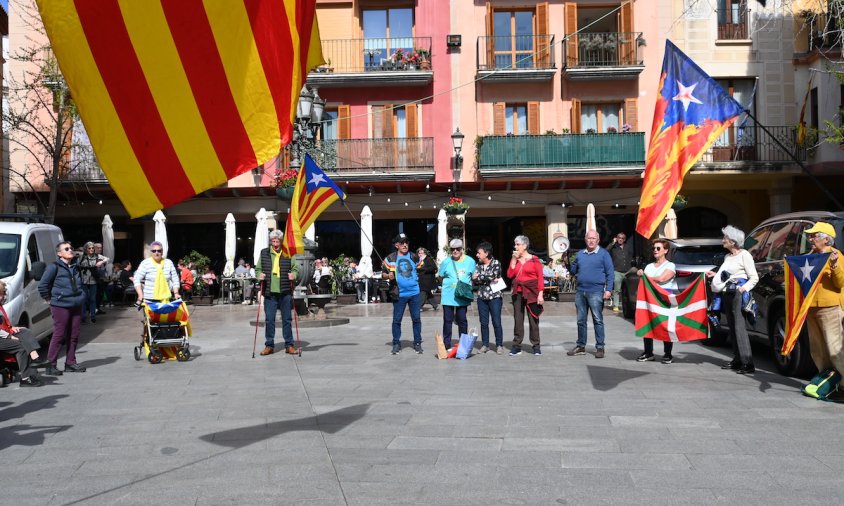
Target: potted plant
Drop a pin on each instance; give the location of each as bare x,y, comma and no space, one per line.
200,292
424,58
399,58
455,205
341,272
625,128
284,182
612,130
680,201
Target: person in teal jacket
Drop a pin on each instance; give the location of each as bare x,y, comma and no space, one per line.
458,266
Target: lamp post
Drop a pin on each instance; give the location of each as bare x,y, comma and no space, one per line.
309,113
457,142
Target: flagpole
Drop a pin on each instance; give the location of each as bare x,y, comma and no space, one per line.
793,156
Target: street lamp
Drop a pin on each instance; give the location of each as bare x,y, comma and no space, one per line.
309,113
457,142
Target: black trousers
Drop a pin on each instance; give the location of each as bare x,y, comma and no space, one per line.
21,348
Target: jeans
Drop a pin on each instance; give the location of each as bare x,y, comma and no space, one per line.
272,303
616,288
90,302
398,313
485,308
451,313
584,302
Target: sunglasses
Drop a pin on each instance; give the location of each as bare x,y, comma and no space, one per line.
456,249
658,248
156,251
67,248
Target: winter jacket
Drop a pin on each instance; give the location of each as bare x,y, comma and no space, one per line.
62,285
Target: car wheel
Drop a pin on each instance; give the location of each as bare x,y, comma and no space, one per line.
799,362
628,307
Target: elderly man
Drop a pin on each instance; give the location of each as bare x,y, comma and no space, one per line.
594,270
275,273
400,268
825,313
622,260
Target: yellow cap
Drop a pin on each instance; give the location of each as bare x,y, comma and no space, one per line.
821,227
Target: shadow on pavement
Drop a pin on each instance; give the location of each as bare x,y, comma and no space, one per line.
330,422
99,362
607,378
28,435
306,346
32,406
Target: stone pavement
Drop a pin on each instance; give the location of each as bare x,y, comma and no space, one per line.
348,423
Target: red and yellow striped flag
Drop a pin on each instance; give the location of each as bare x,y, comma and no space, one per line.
179,96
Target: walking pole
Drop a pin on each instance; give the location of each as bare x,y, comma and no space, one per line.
295,316
258,316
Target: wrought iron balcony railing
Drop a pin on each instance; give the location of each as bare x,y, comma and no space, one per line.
560,151
732,21
376,55
603,49
752,144
415,154
515,52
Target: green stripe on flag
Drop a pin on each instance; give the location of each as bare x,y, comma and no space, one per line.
692,324
648,327
662,299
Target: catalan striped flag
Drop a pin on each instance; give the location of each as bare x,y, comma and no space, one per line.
802,279
671,317
692,111
179,96
313,193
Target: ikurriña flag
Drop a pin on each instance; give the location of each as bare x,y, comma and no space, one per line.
692,111
179,96
671,317
802,279
313,193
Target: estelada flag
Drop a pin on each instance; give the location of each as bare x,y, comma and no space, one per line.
179,96
313,193
692,111
802,278
173,311
671,317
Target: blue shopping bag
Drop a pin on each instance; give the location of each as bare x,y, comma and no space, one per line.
466,344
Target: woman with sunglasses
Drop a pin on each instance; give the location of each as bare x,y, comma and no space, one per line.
61,284
660,272
156,277
89,268
457,267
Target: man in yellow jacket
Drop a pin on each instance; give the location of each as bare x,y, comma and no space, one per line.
826,337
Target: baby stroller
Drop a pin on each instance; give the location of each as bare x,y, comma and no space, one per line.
166,331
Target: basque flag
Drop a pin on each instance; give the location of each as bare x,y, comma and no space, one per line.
671,317
313,193
802,278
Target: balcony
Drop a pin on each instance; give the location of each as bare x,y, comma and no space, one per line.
566,153
386,159
749,148
403,61
603,56
732,22
515,58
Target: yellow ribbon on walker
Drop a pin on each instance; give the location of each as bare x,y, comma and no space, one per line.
162,289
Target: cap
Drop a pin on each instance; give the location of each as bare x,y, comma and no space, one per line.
401,238
455,243
821,227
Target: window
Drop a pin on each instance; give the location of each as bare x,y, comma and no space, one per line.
600,117
732,19
754,242
515,118
513,31
384,32
328,127
743,132
399,122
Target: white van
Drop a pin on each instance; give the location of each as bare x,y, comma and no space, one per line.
25,250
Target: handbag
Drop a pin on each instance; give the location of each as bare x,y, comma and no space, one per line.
463,291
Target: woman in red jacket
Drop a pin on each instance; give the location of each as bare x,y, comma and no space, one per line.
525,271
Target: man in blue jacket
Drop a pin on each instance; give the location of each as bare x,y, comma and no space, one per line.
594,270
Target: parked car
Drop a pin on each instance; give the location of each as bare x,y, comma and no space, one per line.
768,243
691,257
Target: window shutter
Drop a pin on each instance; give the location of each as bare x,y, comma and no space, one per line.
570,27
499,125
533,118
344,122
490,41
575,116
388,131
627,45
543,42
631,113
412,120
377,119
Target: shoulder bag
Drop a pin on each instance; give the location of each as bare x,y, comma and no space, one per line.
463,291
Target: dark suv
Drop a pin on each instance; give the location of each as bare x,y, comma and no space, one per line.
768,243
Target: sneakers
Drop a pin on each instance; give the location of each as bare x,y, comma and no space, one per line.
667,359
52,371
484,349
396,349
616,309
732,364
31,381
577,350
499,350
746,369
515,350
74,368
537,351
645,357
417,347
599,353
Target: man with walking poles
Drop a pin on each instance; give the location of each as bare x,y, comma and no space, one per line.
275,274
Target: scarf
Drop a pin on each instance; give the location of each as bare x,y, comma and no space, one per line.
162,289
276,259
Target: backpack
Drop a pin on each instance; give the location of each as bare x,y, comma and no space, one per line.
823,384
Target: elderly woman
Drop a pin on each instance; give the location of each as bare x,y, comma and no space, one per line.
660,272
825,311
526,272
156,276
457,267
90,264
736,276
488,273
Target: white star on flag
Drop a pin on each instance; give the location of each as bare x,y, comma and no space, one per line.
316,179
685,95
807,271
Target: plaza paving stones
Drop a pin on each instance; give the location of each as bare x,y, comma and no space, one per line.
349,423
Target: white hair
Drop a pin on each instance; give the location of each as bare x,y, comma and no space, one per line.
733,234
276,234
826,238
522,239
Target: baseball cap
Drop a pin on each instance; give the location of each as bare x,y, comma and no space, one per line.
455,243
821,227
400,238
